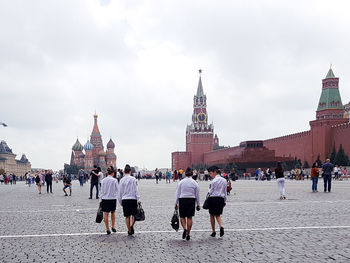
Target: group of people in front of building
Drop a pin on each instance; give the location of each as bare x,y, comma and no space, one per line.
186,199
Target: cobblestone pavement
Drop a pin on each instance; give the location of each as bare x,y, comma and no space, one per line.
307,227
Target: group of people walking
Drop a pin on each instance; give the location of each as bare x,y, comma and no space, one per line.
126,192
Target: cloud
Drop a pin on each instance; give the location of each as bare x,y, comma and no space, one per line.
136,63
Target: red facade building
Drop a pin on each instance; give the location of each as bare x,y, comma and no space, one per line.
329,129
94,152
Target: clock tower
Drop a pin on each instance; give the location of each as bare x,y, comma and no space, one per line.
199,135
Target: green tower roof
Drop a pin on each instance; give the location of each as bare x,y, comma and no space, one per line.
330,74
330,96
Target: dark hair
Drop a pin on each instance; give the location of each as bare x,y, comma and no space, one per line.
213,169
127,169
189,172
95,166
99,169
110,170
314,165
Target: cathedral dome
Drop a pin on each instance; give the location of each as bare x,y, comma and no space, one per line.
88,146
77,146
110,144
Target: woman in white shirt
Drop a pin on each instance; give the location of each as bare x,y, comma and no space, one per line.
129,198
108,197
217,199
187,194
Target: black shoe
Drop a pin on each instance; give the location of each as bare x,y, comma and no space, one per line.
188,237
90,197
213,234
129,233
65,195
184,234
70,194
221,231
108,232
132,231
114,230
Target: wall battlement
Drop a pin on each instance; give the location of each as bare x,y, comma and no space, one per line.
289,137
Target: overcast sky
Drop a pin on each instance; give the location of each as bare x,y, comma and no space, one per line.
136,63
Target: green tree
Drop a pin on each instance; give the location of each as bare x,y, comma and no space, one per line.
306,164
318,161
333,154
71,169
341,158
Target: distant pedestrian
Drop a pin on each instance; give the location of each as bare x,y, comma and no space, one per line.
336,172
81,176
327,169
48,179
156,173
186,197
67,182
314,177
108,198
129,198
175,176
94,181
38,182
280,180
180,174
167,176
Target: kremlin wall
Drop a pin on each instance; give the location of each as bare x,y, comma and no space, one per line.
330,127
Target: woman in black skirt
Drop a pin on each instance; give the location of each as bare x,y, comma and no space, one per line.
217,199
129,198
187,195
108,197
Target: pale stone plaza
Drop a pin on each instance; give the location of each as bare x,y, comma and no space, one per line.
306,227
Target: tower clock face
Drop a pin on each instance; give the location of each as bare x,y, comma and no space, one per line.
201,117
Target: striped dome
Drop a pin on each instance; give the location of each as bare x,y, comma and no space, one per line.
77,146
88,146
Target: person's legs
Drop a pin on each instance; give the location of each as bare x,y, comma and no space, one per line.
325,182
127,222
282,186
51,187
314,184
329,183
105,217
113,219
64,190
96,190
279,187
212,222
91,187
183,222
218,219
70,190
47,187
189,225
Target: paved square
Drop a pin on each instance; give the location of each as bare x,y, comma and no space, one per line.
307,227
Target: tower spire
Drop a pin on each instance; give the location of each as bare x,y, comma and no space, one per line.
200,92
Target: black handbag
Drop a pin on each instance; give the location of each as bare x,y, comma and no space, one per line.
140,215
175,221
99,215
205,204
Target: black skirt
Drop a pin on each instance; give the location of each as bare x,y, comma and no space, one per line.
109,205
216,205
187,207
129,207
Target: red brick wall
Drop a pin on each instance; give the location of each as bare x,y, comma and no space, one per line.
198,144
180,160
341,135
295,145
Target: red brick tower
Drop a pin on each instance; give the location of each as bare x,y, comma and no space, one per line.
111,158
199,135
96,141
330,112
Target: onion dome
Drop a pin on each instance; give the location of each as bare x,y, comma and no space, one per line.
110,144
77,146
88,146
24,158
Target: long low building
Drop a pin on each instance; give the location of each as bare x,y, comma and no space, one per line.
8,161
